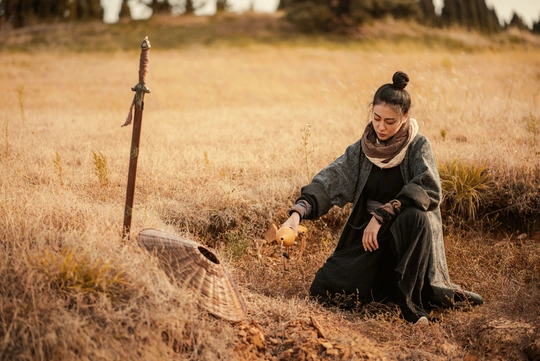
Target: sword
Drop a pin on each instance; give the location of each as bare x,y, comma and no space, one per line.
138,104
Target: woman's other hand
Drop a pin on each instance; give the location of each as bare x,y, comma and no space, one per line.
369,239
292,222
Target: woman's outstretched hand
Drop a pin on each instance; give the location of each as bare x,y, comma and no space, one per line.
369,239
292,222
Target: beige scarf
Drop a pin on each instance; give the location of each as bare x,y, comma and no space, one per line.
390,153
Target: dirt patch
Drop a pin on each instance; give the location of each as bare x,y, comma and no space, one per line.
303,339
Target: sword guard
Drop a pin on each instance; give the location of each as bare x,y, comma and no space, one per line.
141,88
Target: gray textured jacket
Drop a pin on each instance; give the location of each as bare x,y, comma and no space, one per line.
343,181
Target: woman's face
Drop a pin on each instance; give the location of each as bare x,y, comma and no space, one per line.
386,121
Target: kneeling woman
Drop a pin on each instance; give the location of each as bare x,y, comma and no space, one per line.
391,248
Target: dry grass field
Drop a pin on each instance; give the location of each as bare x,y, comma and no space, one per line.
231,131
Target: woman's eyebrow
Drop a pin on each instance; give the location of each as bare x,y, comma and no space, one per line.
384,118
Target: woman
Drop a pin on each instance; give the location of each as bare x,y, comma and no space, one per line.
391,248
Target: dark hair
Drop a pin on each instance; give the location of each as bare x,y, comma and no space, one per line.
394,94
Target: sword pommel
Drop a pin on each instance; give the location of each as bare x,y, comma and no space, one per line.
145,45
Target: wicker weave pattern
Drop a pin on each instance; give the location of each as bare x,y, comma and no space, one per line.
193,265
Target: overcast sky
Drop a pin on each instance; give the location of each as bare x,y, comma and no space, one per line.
529,10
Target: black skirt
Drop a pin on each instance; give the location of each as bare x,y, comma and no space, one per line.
395,272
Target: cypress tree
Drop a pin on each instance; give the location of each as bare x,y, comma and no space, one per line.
518,22
471,14
485,18
449,14
160,7
536,26
475,14
124,10
463,13
89,9
428,12
190,8
493,21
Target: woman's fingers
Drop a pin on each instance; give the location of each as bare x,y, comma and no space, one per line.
366,246
369,241
375,244
366,241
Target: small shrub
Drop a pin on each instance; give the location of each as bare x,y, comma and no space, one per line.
464,187
6,137
238,244
58,167
531,124
515,198
101,169
447,64
20,96
206,160
443,134
306,152
69,271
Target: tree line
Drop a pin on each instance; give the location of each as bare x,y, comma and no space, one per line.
341,15
308,15
19,13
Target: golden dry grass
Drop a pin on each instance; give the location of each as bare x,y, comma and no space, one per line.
221,158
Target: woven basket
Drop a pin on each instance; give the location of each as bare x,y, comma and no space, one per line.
196,267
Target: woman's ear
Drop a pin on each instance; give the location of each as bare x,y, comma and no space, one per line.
406,117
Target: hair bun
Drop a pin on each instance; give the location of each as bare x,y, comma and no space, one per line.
400,80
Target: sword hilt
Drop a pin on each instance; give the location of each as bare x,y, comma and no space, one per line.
143,62
141,87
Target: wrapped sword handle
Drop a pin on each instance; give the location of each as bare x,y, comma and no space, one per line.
140,89
143,70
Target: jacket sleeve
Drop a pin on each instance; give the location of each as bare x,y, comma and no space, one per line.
334,185
424,189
